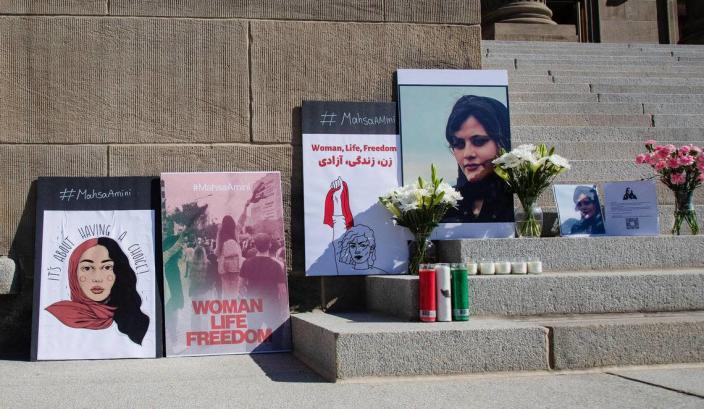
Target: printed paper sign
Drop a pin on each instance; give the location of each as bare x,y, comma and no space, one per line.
351,157
579,210
225,285
95,291
459,120
631,208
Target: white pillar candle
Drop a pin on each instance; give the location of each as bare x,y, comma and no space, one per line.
443,292
502,267
487,267
519,267
535,267
472,268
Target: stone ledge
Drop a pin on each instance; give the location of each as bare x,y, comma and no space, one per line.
627,340
9,281
563,254
553,293
359,345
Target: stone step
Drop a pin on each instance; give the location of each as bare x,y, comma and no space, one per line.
664,195
578,52
644,83
553,134
550,87
348,346
650,89
561,254
665,215
574,108
691,98
551,97
525,66
689,121
530,79
361,345
618,73
587,120
642,61
664,108
619,151
552,293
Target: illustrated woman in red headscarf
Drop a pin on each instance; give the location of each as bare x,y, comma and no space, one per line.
103,290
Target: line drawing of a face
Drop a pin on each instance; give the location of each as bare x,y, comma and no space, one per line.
95,273
474,150
358,247
585,206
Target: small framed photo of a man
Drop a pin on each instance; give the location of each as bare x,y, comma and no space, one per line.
459,121
579,210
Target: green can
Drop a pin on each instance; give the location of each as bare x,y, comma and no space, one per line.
460,292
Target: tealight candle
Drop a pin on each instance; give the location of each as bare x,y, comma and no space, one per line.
519,267
486,267
502,267
535,267
471,268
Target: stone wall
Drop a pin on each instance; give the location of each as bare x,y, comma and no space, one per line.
628,21
139,87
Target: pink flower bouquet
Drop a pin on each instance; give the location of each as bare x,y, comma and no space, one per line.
680,169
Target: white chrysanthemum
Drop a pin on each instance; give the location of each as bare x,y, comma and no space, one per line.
559,161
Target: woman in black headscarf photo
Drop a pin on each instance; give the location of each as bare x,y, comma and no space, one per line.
477,128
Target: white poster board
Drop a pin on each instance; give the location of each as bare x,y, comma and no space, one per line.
631,208
351,157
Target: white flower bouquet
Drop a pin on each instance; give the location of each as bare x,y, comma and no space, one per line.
419,207
528,170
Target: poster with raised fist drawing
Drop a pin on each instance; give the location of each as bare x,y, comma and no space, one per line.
351,157
95,294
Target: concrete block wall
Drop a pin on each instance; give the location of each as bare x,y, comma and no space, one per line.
139,87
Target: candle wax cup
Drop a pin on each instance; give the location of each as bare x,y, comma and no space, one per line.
471,268
519,267
502,267
487,268
535,267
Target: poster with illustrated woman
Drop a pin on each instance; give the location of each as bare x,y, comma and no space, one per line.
95,291
459,121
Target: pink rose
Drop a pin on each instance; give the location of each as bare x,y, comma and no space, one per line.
694,150
660,165
700,177
684,150
670,148
678,178
686,160
640,158
650,142
673,163
661,153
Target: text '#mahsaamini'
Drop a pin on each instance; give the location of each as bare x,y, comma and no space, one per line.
228,322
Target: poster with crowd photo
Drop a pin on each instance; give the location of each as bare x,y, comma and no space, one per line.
95,285
350,158
225,285
579,210
459,121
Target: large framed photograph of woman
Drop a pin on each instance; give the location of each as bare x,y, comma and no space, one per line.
459,121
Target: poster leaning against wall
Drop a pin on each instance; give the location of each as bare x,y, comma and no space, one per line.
95,287
224,254
351,156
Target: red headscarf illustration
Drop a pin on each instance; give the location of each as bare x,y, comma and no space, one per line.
81,312
345,204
